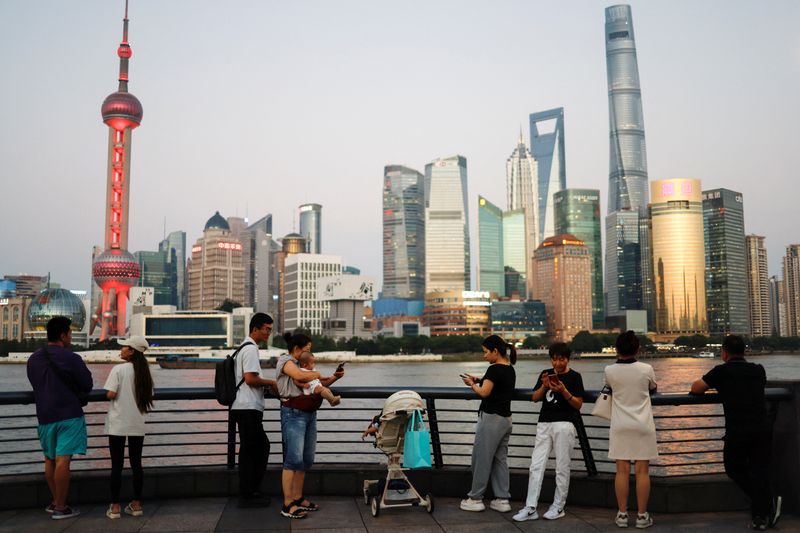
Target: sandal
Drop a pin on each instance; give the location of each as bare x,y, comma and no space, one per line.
286,511
111,514
310,506
133,512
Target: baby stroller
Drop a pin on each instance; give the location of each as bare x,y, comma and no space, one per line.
396,490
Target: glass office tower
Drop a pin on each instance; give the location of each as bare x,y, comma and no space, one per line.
403,233
547,146
515,263
159,270
627,167
491,276
678,257
447,257
311,226
726,262
176,242
522,192
577,211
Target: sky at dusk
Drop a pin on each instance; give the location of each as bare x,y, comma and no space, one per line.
256,107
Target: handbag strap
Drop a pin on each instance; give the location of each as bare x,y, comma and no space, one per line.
66,380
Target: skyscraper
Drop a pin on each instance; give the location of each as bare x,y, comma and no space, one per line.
491,276
678,257
215,272
303,307
176,241
257,245
726,262
627,170
777,300
159,271
515,260
522,192
791,284
291,244
547,146
447,256
758,286
311,226
563,281
577,212
116,270
403,233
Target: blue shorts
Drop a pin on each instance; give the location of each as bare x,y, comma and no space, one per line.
65,437
299,435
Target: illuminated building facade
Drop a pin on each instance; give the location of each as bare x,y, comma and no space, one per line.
563,282
577,212
447,250
457,312
522,191
758,287
547,146
13,317
516,320
791,281
726,262
26,286
215,270
403,233
678,257
311,227
116,270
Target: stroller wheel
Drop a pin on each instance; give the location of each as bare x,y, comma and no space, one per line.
429,503
375,506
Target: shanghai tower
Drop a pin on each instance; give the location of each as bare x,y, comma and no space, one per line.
116,270
626,234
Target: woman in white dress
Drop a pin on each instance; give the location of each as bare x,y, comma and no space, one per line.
129,388
632,435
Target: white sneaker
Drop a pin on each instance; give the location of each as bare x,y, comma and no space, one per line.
644,520
526,513
554,513
621,520
472,505
500,505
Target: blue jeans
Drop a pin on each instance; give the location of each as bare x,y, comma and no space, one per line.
299,435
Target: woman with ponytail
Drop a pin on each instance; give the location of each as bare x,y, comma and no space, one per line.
490,451
129,388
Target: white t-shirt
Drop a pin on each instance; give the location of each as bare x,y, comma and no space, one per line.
247,360
123,417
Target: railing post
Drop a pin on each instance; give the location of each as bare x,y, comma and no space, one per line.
586,447
231,442
436,443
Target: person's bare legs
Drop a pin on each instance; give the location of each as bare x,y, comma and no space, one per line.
61,480
50,476
642,485
297,484
622,484
287,483
327,394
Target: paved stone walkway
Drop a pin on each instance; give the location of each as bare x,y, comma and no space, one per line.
350,515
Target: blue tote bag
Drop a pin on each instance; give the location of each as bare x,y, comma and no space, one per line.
417,443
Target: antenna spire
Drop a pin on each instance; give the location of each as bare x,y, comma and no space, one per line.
124,52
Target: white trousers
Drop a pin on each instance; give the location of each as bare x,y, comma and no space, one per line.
559,437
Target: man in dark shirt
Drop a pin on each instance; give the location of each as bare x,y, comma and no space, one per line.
748,431
57,376
560,389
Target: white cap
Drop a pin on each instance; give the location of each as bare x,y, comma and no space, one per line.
137,342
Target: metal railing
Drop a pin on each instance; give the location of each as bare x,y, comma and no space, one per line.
189,428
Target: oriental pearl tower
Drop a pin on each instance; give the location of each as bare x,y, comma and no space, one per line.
116,270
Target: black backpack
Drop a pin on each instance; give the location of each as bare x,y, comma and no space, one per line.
225,386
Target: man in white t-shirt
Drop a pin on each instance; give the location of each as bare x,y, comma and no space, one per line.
248,410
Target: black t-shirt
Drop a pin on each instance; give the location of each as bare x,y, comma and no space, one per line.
556,408
499,400
741,386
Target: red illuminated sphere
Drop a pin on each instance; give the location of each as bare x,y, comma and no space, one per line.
122,110
115,269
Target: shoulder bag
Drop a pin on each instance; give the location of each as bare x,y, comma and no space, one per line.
603,404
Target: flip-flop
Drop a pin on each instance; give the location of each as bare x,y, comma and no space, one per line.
296,514
310,507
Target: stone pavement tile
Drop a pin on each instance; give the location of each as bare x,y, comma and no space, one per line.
480,528
259,519
196,514
447,513
6,515
398,519
36,521
93,519
334,513
570,523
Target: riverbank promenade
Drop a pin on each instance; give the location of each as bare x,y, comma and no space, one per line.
349,515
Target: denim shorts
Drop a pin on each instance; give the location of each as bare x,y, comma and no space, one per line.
65,437
299,435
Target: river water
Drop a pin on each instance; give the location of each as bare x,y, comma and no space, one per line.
176,436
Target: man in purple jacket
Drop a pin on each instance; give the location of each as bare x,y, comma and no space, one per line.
57,376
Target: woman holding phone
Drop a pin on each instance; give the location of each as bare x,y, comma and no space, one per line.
490,451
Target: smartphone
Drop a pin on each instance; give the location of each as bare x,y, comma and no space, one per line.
554,378
340,368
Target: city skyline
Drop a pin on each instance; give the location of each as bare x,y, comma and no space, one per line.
194,142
